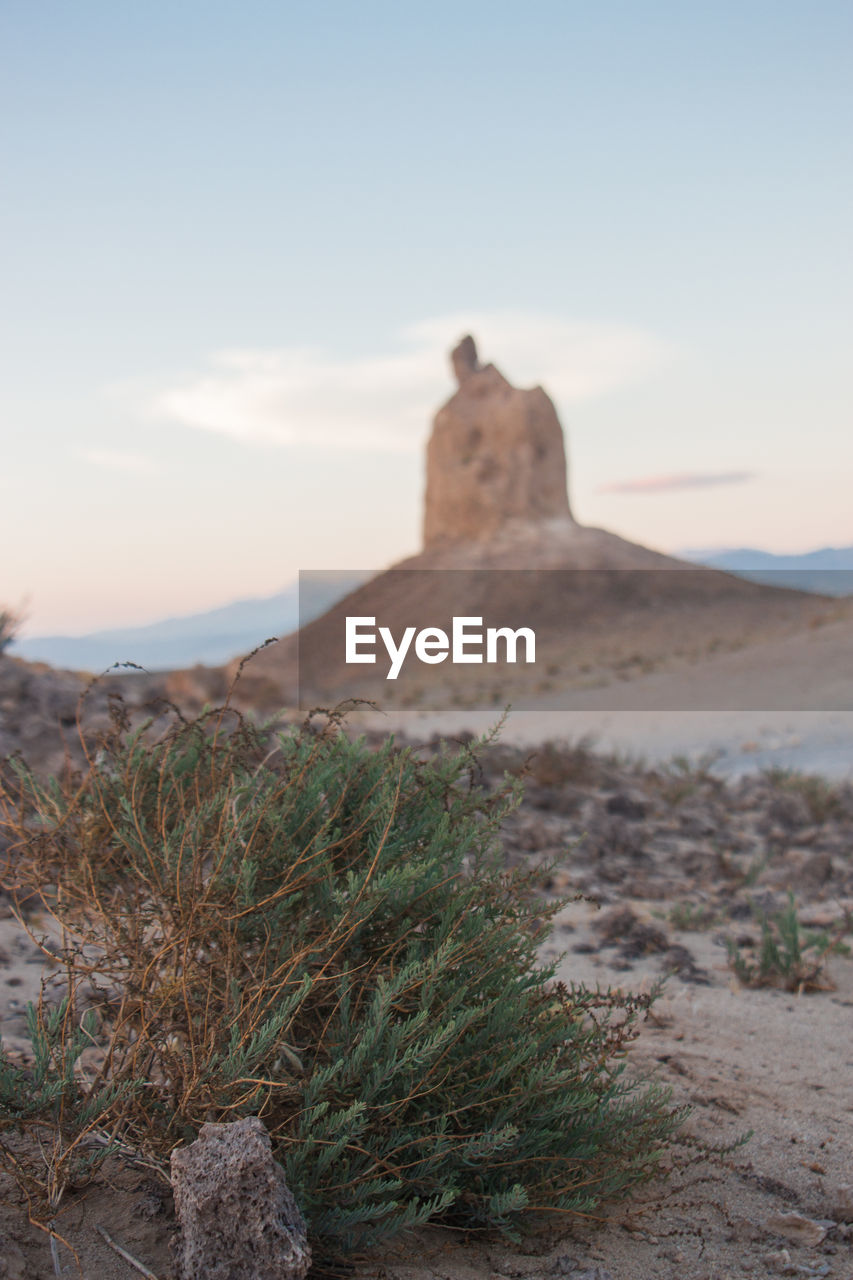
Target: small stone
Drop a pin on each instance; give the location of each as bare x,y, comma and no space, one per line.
820,917
632,805
794,1227
697,823
818,869
237,1219
841,1202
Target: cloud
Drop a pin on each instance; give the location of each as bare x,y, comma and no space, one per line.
683,480
307,396
117,460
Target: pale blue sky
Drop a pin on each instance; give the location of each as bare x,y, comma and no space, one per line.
237,239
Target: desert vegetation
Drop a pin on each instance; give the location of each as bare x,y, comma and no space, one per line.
323,934
786,954
10,624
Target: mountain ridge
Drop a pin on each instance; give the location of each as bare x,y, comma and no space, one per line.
211,637
824,571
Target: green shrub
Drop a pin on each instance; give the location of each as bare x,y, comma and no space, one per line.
323,935
47,1102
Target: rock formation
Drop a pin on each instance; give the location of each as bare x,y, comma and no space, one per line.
496,499
237,1218
495,457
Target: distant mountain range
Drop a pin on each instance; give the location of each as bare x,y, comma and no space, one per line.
828,571
217,636
211,638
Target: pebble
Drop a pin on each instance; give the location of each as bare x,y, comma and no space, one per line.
793,1226
841,1202
782,1264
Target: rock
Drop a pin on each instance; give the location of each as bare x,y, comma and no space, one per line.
634,936
237,1219
841,1203
609,836
39,709
697,823
794,1227
821,917
780,1260
679,961
495,457
465,360
817,870
632,805
194,687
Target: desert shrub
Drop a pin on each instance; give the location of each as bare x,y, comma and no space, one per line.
10,623
322,935
683,779
48,1103
824,799
554,764
786,955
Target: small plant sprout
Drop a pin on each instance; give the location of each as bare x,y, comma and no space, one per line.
786,955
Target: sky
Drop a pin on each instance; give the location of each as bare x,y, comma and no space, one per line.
237,242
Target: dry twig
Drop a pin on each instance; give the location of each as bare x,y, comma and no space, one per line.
123,1253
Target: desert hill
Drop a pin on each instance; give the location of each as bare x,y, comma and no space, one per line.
501,542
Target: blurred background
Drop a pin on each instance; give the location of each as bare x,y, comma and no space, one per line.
238,243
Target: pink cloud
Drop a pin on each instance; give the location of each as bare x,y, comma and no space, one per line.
682,480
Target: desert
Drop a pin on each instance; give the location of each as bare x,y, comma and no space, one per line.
709,889
426,641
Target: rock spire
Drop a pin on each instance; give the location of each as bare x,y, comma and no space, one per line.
495,457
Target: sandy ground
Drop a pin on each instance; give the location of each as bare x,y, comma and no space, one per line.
783,702
778,1064
732,743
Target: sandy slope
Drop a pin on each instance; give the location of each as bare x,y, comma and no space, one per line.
785,701
600,606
